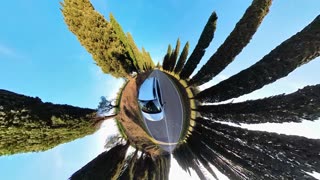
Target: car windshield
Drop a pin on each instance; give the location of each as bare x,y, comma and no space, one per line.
150,107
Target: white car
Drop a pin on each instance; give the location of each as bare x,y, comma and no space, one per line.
150,100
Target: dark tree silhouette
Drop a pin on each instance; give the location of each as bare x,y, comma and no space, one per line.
105,166
188,159
235,42
182,59
27,124
166,59
203,42
295,107
255,154
292,53
174,56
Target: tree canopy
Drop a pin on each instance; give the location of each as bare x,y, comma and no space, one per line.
27,124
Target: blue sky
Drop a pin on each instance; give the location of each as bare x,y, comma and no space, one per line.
40,57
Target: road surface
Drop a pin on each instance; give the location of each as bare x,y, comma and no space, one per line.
168,130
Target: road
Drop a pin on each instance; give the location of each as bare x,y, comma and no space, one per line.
168,130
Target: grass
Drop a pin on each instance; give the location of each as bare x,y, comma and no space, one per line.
117,110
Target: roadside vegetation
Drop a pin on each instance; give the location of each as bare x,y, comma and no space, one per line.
27,124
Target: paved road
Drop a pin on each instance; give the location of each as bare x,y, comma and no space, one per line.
169,129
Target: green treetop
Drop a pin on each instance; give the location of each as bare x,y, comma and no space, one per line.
182,59
103,40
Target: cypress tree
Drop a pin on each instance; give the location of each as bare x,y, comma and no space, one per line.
131,58
203,42
295,107
182,59
151,168
128,172
174,56
188,159
107,165
27,124
166,59
141,170
241,153
292,53
235,42
147,59
103,40
136,53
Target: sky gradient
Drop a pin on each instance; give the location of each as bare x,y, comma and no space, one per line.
40,57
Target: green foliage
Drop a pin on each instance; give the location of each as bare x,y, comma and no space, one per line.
128,45
105,41
28,125
148,63
139,60
166,59
203,42
182,59
107,165
174,56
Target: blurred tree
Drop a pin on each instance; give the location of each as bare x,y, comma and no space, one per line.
105,106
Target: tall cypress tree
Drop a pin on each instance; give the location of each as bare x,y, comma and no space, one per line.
203,42
136,53
240,153
147,59
27,124
174,56
104,41
235,42
107,165
188,159
292,53
129,52
166,59
295,107
182,59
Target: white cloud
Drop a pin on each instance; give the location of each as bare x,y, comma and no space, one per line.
6,51
10,52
